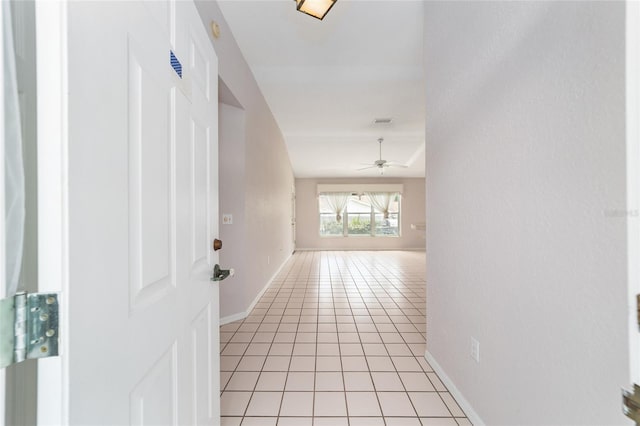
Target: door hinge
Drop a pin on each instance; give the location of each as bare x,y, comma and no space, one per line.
28,327
631,403
638,310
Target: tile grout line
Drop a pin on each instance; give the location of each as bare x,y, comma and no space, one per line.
266,355
395,367
344,387
340,276
284,389
366,360
403,385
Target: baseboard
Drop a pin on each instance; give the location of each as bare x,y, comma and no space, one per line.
269,282
231,318
242,315
454,391
362,249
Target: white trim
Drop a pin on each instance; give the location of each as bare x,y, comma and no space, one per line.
232,318
362,249
633,176
3,285
242,315
359,187
53,217
453,390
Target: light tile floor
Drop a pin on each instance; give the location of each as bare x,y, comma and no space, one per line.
337,339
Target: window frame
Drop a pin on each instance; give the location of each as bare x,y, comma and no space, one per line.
372,218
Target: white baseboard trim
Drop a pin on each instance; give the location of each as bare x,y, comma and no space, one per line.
454,391
361,249
231,318
269,282
242,315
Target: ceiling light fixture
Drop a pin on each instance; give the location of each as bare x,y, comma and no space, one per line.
316,8
382,164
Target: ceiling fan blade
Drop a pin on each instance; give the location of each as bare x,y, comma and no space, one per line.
382,164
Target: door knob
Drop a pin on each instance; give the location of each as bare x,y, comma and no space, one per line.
217,244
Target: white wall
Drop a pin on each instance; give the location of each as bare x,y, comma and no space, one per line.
525,207
267,176
308,221
234,293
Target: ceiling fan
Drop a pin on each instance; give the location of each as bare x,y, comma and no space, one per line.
382,164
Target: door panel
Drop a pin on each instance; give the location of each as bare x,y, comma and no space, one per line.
199,190
150,196
154,398
203,379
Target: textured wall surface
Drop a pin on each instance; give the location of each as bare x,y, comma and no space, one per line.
234,293
525,184
267,174
308,221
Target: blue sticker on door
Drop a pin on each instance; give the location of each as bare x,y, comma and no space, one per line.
176,65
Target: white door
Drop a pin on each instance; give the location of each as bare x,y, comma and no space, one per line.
139,209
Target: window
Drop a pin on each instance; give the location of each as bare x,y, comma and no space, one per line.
391,224
364,215
329,225
358,216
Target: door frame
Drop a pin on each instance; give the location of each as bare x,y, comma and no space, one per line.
53,253
633,180
51,54
293,218
2,235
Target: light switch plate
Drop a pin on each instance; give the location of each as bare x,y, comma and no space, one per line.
475,350
227,219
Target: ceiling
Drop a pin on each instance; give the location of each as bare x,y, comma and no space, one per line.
326,81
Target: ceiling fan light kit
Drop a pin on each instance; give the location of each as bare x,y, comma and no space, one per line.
316,8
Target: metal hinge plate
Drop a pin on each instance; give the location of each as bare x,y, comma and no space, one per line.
631,403
28,327
638,310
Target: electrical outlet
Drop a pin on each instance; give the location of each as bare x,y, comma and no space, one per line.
475,350
268,260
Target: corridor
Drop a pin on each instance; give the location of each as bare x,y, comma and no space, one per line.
337,339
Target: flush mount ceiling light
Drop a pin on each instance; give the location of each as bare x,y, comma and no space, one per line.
316,8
